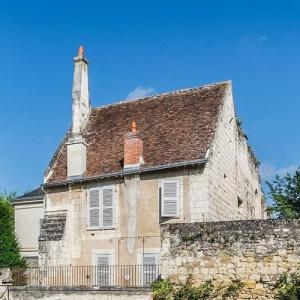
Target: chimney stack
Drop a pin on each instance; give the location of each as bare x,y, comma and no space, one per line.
133,149
80,92
81,107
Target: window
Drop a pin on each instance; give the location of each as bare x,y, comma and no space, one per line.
150,268
170,198
103,270
101,207
240,202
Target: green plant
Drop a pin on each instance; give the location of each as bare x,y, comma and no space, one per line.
165,289
285,193
162,289
9,247
288,286
232,289
188,291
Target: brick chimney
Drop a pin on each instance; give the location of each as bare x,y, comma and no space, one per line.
133,149
81,107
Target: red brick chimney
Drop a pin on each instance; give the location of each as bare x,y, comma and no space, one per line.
133,149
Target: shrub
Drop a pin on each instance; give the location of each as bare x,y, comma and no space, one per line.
288,286
9,247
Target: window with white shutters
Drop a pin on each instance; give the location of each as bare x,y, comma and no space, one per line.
107,194
150,268
170,198
101,207
94,208
103,270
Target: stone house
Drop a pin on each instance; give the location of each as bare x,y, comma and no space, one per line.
29,213
125,168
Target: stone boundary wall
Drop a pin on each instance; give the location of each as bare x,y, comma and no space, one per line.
255,252
76,293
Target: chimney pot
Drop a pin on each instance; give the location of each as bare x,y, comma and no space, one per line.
133,127
81,51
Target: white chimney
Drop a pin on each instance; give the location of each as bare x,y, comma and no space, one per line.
81,107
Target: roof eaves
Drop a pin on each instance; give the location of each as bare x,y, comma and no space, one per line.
128,172
27,199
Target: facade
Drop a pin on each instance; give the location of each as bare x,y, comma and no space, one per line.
124,169
29,213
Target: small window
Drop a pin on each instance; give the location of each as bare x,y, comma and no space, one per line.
170,198
240,202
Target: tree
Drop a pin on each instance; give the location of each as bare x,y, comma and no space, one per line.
285,193
10,255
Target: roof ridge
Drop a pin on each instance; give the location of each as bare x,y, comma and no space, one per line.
155,96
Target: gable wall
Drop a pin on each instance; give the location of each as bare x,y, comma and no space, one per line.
231,172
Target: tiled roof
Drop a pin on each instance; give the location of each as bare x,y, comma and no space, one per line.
174,127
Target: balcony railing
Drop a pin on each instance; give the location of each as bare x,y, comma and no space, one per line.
93,276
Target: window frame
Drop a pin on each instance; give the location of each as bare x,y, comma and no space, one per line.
162,212
100,190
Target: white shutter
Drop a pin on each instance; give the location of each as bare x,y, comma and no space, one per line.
94,208
170,199
107,207
103,271
150,268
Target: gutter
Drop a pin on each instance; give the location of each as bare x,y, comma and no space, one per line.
127,172
33,199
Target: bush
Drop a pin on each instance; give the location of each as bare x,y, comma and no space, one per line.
288,286
164,289
9,247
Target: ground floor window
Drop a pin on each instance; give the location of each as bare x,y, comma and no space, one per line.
150,268
103,270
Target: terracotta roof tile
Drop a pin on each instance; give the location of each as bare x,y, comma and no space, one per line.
174,127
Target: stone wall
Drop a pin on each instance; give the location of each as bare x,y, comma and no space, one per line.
233,188
255,252
65,293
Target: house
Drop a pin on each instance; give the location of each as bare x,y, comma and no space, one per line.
29,213
125,168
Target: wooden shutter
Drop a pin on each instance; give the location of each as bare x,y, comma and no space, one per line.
170,199
107,207
94,208
103,271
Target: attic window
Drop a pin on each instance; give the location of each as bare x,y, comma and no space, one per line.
240,201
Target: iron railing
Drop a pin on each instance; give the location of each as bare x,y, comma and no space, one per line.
100,276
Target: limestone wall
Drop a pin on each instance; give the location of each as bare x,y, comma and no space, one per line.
233,189
65,293
255,252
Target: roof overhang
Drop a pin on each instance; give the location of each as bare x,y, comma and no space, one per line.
123,173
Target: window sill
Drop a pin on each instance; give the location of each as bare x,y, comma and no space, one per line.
101,228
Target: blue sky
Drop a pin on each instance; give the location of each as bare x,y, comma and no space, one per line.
139,48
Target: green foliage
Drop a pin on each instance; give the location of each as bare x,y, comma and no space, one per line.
9,247
288,286
188,291
232,289
166,290
162,290
285,193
